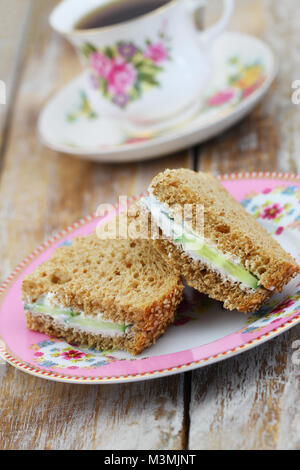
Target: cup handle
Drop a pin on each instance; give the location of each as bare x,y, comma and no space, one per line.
210,34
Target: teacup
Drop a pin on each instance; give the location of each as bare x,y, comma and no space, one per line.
146,70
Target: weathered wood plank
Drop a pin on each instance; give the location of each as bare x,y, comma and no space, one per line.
37,414
252,143
252,401
282,33
248,15
13,30
41,192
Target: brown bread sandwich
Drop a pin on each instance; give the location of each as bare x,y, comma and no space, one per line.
108,294
229,256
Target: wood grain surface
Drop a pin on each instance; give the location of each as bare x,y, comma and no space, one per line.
250,401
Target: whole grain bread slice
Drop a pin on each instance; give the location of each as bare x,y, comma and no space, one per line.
126,280
227,226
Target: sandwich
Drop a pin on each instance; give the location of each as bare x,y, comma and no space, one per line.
229,256
103,293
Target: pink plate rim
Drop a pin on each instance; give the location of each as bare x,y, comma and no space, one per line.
164,371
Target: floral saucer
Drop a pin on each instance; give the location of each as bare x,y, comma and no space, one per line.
203,332
244,68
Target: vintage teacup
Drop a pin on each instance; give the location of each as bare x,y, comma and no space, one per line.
148,69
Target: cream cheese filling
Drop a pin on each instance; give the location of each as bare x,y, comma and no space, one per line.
198,248
66,317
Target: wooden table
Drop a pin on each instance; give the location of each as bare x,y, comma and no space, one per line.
247,402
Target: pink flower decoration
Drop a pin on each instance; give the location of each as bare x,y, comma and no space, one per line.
272,212
121,77
279,230
72,354
136,140
156,52
101,64
221,98
276,321
267,191
38,354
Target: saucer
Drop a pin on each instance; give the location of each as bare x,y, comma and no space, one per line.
244,69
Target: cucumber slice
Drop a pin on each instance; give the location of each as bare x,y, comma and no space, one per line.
193,244
39,308
75,318
94,323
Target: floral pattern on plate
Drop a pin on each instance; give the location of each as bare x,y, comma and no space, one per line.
272,315
83,109
243,79
277,209
57,354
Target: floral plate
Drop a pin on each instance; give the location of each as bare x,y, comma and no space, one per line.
203,332
244,68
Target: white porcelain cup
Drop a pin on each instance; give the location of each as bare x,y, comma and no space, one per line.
146,70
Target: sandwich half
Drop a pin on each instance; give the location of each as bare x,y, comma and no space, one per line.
107,294
230,256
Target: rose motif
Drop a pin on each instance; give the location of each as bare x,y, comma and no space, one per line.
73,354
156,52
101,64
121,77
272,212
221,98
123,72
